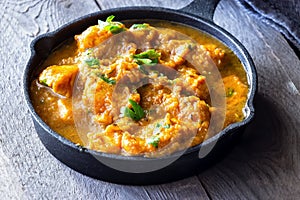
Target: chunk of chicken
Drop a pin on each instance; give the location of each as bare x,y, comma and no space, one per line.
103,101
108,141
60,78
216,53
91,37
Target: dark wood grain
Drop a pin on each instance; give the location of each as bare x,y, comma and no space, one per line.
265,165
174,4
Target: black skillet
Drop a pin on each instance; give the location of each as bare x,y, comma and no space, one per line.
199,15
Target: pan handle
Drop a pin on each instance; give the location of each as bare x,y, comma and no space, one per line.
202,8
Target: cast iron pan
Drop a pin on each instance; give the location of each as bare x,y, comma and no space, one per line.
198,15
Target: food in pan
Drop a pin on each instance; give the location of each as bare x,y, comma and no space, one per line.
139,88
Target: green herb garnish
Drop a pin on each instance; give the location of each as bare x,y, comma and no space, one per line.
136,113
139,26
153,141
229,92
147,57
167,126
92,62
150,54
114,29
44,82
110,18
89,51
107,80
142,61
109,25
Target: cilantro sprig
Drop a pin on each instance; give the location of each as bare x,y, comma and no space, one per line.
139,26
105,78
136,113
109,25
154,141
44,82
230,92
108,80
167,126
147,57
91,62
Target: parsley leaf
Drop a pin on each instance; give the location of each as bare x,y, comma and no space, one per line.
229,92
136,113
104,78
92,62
167,126
141,61
109,25
147,57
139,26
107,80
114,29
153,141
151,54
44,82
110,18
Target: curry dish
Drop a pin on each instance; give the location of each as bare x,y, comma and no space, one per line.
140,88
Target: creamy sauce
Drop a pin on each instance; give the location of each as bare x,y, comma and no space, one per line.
115,131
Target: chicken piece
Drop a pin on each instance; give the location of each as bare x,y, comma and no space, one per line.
217,54
175,52
194,82
133,145
170,104
195,118
91,37
108,141
60,78
103,101
152,94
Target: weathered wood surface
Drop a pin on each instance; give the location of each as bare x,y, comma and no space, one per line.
265,165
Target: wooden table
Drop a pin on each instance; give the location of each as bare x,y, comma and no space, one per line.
264,165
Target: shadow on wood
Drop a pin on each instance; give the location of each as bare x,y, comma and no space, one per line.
265,133
263,162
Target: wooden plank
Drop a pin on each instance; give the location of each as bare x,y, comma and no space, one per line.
266,163
174,4
189,188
